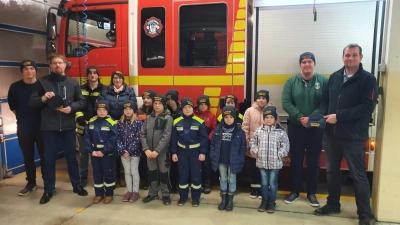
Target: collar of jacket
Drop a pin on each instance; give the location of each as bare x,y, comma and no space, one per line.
178,106
187,117
255,105
277,126
87,86
311,81
110,89
166,112
57,77
358,74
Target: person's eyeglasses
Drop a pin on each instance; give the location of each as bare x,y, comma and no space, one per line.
57,63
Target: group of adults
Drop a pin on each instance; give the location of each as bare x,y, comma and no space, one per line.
347,99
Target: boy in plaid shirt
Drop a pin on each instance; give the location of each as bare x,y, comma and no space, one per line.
270,144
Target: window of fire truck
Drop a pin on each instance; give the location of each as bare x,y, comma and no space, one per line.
202,35
153,42
99,29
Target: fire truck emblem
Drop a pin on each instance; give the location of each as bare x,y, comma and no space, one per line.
153,27
317,85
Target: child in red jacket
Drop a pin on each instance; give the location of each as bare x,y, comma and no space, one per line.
210,120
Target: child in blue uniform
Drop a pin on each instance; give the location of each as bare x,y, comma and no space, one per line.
189,143
100,140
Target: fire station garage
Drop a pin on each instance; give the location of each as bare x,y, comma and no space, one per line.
200,47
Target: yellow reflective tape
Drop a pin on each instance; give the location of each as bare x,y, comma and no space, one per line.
237,46
219,118
240,24
235,68
236,58
109,185
93,119
195,186
241,14
105,128
84,92
156,80
98,185
239,35
212,91
198,119
240,116
78,114
91,127
181,145
178,119
111,121
99,146
179,128
183,186
214,80
95,94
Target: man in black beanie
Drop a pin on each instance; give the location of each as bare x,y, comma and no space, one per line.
90,91
28,122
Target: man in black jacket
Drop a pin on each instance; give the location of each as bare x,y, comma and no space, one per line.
91,92
347,104
59,98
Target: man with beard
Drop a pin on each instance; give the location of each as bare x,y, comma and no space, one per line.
59,98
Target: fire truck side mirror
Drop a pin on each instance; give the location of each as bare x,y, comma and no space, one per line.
51,30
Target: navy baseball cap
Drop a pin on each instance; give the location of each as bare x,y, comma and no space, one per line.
317,121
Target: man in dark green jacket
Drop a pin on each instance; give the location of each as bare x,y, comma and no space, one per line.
301,97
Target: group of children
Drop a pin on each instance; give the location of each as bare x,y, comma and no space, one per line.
193,139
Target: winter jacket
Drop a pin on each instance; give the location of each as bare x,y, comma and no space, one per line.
101,135
117,99
89,111
68,89
156,132
253,119
238,119
177,113
270,144
210,120
237,148
353,102
129,137
189,132
301,99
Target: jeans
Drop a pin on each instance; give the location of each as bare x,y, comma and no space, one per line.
83,157
269,184
354,153
132,179
55,141
305,142
226,177
27,140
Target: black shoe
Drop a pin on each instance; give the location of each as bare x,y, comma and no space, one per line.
207,187
254,193
149,198
195,203
263,205
80,191
222,206
313,200
181,202
326,210
46,197
229,203
271,207
166,200
28,189
291,198
363,221
83,181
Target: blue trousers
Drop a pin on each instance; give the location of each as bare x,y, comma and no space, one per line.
188,162
227,180
269,184
103,175
55,141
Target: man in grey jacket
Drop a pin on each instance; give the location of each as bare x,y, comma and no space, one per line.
155,138
59,98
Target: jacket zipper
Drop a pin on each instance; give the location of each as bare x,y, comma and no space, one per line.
59,113
268,151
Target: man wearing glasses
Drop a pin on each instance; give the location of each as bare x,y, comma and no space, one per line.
59,98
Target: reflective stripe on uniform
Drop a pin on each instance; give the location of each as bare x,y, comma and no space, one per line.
219,118
183,186
240,116
196,186
91,126
85,93
99,146
179,128
111,121
198,119
194,127
190,146
98,185
178,119
95,94
78,114
105,128
109,185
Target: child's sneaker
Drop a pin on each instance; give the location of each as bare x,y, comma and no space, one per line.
134,197
127,196
254,193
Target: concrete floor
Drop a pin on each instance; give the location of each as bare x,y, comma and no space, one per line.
68,208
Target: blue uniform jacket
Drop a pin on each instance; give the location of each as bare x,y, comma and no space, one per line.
237,148
101,135
189,132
